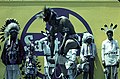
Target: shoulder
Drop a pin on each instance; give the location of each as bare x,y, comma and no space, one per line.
105,41
63,19
84,44
93,44
115,41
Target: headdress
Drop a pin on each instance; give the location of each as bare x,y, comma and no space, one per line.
47,13
111,29
11,25
87,35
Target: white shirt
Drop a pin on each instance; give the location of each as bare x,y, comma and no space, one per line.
110,52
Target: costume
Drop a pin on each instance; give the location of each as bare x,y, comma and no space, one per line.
30,64
49,62
110,54
87,54
12,53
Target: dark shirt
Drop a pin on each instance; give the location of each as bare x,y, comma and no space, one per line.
19,49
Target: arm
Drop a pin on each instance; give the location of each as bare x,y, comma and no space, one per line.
102,53
94,50
21,53
3,56
63,43
118,53
82,53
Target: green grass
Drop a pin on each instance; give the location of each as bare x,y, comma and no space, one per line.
96,14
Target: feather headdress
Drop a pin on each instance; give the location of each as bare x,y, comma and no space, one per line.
9,26
111,29
87,35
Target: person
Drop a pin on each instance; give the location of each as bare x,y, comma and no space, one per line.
30,62
49,63
63,26
110,53
12,53
87,54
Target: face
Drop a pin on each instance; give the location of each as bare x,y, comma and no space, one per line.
89,40
13,35
110,35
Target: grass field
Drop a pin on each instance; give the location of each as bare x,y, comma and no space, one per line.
96,15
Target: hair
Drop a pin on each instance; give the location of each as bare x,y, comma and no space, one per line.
109,32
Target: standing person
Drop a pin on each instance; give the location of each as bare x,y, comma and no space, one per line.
87,54
110,54
12,53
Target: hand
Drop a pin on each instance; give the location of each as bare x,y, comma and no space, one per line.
84,59
103,63
117,63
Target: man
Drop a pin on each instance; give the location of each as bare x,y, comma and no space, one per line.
13,51
87,54
60,25
110,54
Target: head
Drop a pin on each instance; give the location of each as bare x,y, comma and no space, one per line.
12,28
110,35
13,34
49,14
89,40
109,31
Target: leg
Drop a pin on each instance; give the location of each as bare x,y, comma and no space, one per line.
8,74
85,75
70,74
108,73
91,70
16,74
46,73
114,72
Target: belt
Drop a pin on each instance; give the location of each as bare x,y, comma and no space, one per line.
110,53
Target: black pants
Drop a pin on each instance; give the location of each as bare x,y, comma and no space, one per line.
111,72
90,73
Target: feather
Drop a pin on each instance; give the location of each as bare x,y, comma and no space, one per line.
115,27
106,27
2,29
111,25
1,37
2,33
40,15
102,29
